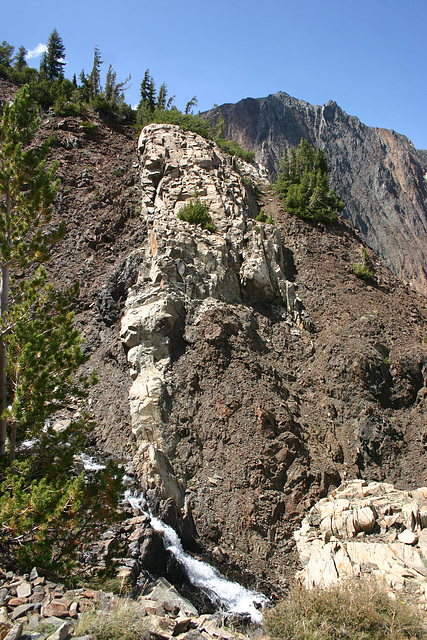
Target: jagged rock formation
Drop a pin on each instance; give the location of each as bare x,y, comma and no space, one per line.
367,529
378,173
188,277
243,408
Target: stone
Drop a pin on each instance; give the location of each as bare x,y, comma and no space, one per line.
62,632
23,590
162,591
5,627
408,537
376,549
21,610
16,632
55,608
422,542
161,627
16,602
181,624
34,574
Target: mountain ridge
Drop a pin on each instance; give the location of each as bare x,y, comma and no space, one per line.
378,173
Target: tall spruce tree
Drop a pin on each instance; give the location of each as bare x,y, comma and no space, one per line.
55,55
95,75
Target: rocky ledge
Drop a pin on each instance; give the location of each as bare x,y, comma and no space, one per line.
367,529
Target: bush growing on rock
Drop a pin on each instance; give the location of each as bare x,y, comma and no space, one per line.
197,213
365,269
354,610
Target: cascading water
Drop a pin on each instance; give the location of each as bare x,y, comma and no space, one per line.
228,596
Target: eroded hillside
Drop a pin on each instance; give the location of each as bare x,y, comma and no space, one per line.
245,370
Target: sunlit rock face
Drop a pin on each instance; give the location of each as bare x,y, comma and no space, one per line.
189,271
367,529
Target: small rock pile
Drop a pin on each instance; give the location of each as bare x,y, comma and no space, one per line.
364,529
33,607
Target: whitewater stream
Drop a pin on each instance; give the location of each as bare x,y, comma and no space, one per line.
229,597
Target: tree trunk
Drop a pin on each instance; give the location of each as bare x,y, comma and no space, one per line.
3,358
4,307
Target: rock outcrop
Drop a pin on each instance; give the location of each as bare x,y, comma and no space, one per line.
190,272
378,173
367,529
229,424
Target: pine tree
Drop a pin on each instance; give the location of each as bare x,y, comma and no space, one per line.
6,53
190,104
27,190
302,183
145,83
95,75
19,61
161,98
55,54
46,510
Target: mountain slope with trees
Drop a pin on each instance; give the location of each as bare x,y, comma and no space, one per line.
377,173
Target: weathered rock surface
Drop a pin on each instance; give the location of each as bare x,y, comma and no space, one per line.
165,611
364,529
187,273
378,173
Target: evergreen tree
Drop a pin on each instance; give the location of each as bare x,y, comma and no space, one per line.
54,59
95,75
27,190
19,61
46,509
162,97
145,83
6,53
302,182
190,104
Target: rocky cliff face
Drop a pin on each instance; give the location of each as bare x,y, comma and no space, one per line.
378,173
245,371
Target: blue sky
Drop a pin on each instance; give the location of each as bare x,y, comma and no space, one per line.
368,56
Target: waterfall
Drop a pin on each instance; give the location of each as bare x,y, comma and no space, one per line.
228,596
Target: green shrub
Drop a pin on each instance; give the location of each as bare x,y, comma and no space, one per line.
350,611
63,107
234,149
365,269
88,127
197,213
261,217
269,220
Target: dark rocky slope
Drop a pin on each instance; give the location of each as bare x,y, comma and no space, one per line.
263,414
377,172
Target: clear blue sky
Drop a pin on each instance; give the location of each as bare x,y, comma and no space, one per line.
368,56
